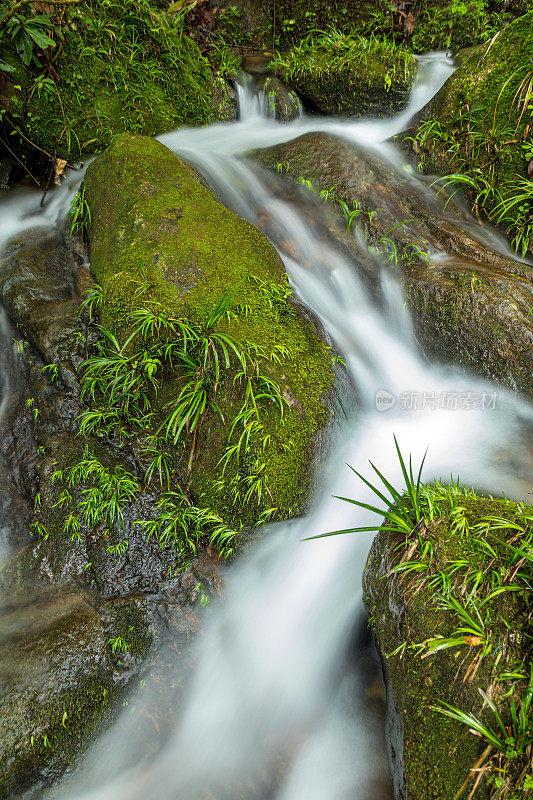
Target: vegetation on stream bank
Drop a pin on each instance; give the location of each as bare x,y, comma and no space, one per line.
345,74
478,132
74,78
458,569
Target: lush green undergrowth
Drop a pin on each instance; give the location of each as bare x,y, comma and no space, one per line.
91,70
419,27
324,52
480,132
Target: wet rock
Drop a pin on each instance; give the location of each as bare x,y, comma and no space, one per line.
7,166
256,63
223,101
363,83
57,686
282,103
344,93
68,658
150,212
470,298
431,755
38,289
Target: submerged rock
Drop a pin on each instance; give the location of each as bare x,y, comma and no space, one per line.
470,299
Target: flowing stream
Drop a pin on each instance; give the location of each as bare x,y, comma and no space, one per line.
270,694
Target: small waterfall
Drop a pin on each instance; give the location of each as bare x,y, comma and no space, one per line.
270,695
269,677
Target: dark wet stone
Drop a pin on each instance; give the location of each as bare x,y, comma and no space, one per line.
471,301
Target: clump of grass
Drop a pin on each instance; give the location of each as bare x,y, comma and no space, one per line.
332,51
79,213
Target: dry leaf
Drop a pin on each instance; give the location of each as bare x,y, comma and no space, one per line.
60,169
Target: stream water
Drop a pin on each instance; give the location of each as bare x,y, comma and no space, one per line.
270,694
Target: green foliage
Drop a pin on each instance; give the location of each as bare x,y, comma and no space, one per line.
183,526
454,25
26,35
121,66
515,212
479,133
94,496
79,213
510,741
332,51
514,739
122,381
402,513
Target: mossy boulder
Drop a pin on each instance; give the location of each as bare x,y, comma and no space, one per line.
479,125
347,76
470,302
152,219
431,754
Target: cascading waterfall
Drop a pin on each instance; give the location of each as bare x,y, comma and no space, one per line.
269,695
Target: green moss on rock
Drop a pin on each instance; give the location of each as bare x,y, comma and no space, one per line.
152,219
432,754
57,689
343,75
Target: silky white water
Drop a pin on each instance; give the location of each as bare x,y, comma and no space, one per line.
269,680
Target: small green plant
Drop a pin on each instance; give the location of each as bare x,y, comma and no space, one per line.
507,758
401,512
118,645
515,211
182,525
94,496
79,213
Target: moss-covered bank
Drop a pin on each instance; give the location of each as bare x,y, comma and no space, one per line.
420,591
348,75
116,66
478,128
